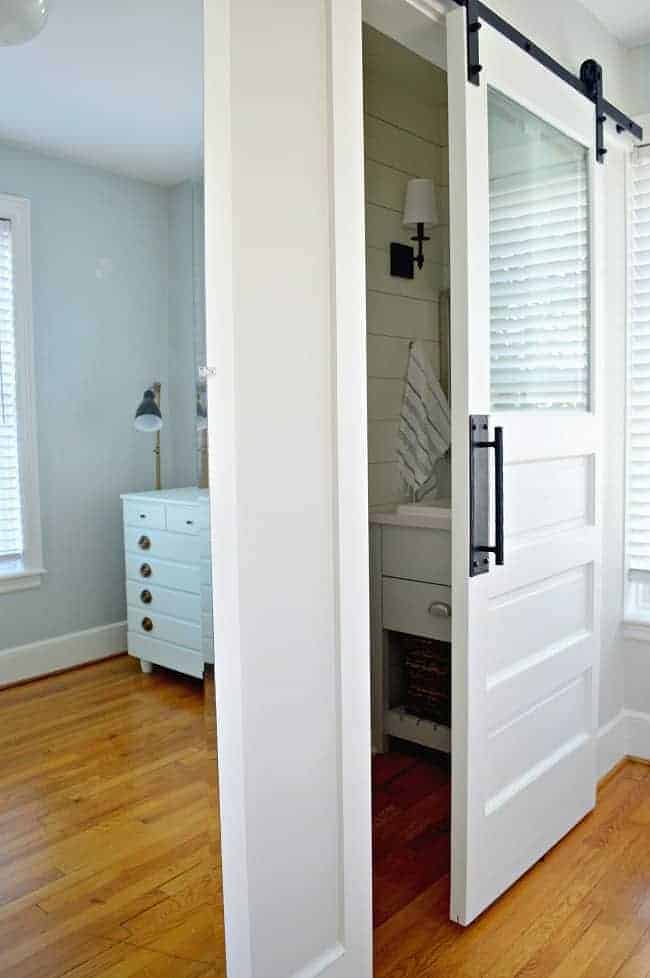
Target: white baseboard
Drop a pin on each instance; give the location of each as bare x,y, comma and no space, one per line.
63,652
627,735
611,744
638,734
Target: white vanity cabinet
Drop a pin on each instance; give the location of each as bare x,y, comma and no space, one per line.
410,593
168,579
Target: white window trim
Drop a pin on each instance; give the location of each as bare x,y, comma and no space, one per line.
26,572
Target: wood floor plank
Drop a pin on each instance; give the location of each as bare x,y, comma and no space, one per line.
584,910
108,809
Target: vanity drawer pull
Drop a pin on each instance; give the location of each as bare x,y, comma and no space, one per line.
144,542
439,609
145,570
146,596
147,624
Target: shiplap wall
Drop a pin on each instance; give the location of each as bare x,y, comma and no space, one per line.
405,136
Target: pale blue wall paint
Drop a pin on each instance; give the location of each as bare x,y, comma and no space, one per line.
100,250
182,376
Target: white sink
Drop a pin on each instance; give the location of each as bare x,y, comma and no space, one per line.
433,507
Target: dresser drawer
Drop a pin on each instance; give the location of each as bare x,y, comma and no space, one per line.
148,597
145,569
151,624
183,519
163,654
416,554
416,608
161,544
145,513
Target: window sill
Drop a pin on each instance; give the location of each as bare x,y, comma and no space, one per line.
15,577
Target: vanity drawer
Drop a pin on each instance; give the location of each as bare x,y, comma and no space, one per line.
145,513
183,519
165,629
142,568
416,608
148,597
161,544
163,654
416,553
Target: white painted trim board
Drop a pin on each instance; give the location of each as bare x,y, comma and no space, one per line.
63,652
627,735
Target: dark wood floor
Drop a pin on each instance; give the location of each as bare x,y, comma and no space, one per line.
411,807
109,834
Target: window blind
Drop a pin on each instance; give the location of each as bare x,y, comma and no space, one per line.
638,438
11,534
539,286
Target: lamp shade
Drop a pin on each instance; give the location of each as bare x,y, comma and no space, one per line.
21,20
148,416
420,204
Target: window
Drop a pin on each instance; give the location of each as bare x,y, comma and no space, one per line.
20,529
539,263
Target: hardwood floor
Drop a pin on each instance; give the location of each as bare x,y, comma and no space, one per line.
110,855
109,835
582,912
411,803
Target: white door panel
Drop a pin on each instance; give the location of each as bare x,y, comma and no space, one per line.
288,466
524,342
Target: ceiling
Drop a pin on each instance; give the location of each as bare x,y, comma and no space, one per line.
115,84
628,20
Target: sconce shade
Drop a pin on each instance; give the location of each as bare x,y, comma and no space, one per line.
420,204
148,416
21,20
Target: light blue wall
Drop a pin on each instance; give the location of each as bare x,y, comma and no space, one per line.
182,355
101,254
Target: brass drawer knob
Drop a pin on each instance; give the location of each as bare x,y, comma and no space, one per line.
146,597
145,570
147,624
144,542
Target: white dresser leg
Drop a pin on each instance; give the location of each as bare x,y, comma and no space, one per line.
146,666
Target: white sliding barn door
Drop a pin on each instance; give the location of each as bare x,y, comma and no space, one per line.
524,189
285,271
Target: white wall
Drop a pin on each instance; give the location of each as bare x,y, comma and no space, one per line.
637,78
637,651
405,136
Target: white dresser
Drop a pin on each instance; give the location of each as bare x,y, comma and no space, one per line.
410,594
168,579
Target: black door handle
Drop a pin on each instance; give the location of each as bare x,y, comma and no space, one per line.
498,495
480,548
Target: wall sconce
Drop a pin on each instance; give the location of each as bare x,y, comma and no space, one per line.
420,213
149,418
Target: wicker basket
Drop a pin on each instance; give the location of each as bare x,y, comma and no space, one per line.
427,669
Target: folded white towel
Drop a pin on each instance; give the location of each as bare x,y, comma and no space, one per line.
424,433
